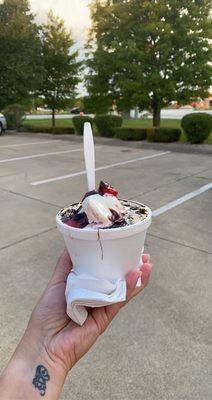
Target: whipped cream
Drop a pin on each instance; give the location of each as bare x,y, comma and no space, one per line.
102,210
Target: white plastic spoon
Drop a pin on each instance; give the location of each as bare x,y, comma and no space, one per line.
89,154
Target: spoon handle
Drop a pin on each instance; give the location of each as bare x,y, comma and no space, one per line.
89,155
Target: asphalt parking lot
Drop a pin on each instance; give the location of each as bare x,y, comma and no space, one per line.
160,346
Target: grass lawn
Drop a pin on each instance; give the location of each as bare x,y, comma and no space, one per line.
147,123
134,123
46,123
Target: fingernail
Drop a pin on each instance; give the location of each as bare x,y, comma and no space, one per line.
139,281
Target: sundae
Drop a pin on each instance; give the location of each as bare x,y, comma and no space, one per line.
102,209
105,237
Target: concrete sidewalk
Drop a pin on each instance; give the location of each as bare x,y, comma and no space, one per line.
160,346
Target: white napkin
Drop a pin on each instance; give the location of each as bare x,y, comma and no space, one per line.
87,291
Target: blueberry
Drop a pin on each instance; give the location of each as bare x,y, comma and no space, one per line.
81,219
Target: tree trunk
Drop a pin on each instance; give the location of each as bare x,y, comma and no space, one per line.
126,114
53,117
136,113
156,115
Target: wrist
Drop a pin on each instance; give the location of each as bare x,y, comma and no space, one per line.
31,372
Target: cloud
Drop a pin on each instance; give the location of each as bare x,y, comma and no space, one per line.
74,12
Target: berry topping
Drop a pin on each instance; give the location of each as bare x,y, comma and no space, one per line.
66,219
78,221
115,216
105,188
91,193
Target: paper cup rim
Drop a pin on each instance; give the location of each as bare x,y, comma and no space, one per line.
106,234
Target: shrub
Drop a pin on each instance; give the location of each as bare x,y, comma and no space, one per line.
57,130
14,115
131,133
197,127
106,124
79,121
166,135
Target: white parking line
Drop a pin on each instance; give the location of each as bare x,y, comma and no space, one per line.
28,144
59,178
181,200
41,155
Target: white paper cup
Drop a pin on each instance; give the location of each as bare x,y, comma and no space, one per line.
105,253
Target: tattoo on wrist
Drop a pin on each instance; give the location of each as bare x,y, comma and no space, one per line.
40,379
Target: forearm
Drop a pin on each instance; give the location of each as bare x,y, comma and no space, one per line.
31,374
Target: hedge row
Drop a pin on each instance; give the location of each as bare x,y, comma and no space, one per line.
151,134
197,128
105,124
131,133
57,130
166,135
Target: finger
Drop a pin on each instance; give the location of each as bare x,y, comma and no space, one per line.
63,268
131,281
146,270
146,275
145,258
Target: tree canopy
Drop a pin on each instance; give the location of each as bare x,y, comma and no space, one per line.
147,53
20,49
61,68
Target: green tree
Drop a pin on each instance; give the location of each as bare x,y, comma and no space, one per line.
147,53
61,68
20,50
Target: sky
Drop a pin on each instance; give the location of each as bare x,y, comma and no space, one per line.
76,16
74,12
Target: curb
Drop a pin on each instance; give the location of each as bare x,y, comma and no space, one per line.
200,149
